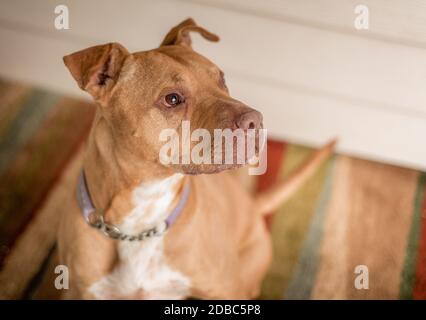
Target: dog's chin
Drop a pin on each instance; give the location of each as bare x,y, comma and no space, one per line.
194,169
212,168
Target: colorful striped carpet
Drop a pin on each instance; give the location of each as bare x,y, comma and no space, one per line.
352,213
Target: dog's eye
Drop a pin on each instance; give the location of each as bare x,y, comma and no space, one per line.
173,99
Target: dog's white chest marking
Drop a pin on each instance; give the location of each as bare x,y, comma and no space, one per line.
142,271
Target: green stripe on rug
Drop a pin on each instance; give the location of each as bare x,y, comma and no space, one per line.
11,97
408,275
39,163
290,224
33,112
302,282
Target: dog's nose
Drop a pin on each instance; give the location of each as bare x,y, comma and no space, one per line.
249,120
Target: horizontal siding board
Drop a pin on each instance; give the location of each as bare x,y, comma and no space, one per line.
330,62
304,118
370,133
310,83
390,20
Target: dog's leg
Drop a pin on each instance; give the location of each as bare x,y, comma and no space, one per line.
269,200
255,259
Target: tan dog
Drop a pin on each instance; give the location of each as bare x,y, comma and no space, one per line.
219,246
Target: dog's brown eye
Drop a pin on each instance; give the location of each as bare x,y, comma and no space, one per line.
173,99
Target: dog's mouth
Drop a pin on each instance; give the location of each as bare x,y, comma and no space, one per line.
229,142
243,146
232,150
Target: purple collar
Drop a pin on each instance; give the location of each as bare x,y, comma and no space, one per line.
96,219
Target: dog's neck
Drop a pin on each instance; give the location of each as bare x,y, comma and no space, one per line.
113,175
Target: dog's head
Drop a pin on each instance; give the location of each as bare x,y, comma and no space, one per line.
144,93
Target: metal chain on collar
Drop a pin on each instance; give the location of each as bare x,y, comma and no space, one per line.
95,218
110,230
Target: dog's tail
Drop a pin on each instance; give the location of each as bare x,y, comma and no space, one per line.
268,200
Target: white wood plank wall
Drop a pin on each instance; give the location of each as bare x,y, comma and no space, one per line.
302,63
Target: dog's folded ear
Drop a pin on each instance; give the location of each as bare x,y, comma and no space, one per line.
179,35
96,69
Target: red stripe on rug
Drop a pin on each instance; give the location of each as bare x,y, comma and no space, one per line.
419,291
276,154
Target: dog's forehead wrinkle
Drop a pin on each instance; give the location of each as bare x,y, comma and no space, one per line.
177,77
170,58
163,67
191,59
174,66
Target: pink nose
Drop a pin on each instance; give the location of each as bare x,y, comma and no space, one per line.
249,120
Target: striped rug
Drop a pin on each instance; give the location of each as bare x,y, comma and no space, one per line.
352,214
